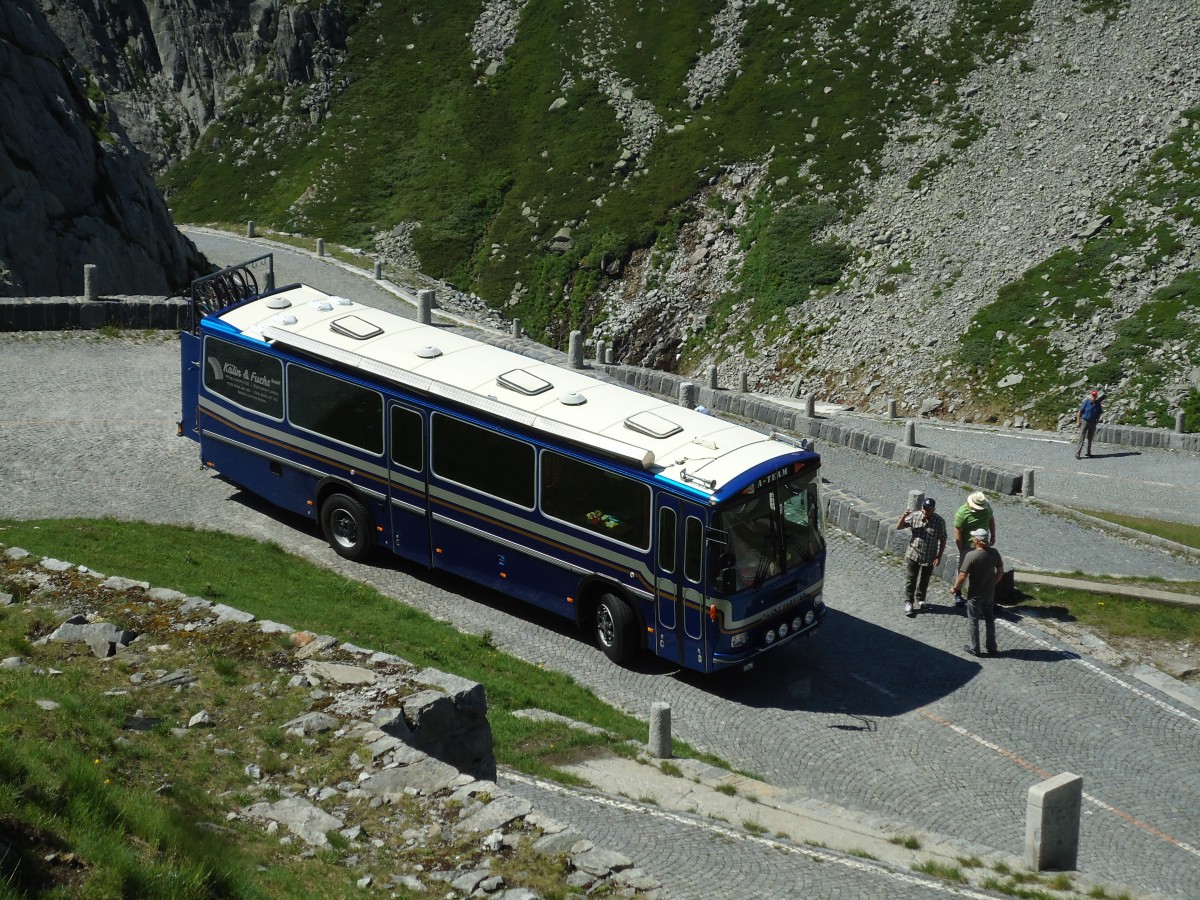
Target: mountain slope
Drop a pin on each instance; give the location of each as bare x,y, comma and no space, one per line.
873,198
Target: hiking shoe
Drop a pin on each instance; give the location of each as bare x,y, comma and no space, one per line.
919,605
908,610
959,600
970,652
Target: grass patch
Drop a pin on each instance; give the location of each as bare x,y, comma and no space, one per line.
265,580
1179,532
106,793
953,874
908,841
1114,615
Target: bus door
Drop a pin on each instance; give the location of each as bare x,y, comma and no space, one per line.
692,584
679,601
668,591
408,489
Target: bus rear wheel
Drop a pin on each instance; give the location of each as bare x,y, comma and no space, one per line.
346,524
614,628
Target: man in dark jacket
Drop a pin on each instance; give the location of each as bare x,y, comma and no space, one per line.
1089,414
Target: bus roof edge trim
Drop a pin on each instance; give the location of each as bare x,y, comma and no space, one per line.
601,443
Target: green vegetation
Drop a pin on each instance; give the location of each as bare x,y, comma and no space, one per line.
1152,346
1179,532
272,584
492,165
1115,616
908,841
102,799
953,874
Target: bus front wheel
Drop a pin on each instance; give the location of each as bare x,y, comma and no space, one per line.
614,628
347,526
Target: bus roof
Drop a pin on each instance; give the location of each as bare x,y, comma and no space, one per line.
701,453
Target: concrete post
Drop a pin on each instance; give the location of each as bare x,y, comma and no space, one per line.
910,433
608,356
915,499
378,270
810,406
90,289
425,307
250,228
575,350
688,393
1180,422
743,383
1027,483
891,409
600,351
516,328
320,246
712,377
1052,823
660,730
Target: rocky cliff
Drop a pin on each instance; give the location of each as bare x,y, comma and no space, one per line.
169,69
74,189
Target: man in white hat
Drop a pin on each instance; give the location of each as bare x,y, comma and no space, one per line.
982,568
975,513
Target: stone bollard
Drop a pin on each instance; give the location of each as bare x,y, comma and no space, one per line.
1180,422
910,433
600,351
378,270
743,383
1027,483
320,246
1052,823
608,356
810,406
660,730
575,350
250,228
516,328
90,289
425,307
915,499
891,409
688,393
712,377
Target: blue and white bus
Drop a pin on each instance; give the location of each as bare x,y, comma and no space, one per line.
653,526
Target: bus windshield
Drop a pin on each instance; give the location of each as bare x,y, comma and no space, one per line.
770,532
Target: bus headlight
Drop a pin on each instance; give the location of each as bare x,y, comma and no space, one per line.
738,640
770,636
796,624
809,616
783,630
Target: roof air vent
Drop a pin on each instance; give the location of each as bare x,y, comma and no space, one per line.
356,328
571,398
428,352
523,382
278,303
649,424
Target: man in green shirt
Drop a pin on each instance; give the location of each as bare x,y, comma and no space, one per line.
975,513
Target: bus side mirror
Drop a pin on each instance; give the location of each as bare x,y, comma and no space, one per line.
728,574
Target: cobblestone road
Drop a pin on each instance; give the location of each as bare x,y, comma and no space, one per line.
878,713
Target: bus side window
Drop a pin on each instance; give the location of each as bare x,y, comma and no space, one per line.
407,438
666,540
693,548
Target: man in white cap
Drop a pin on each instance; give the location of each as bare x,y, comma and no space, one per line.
982,568
975,513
